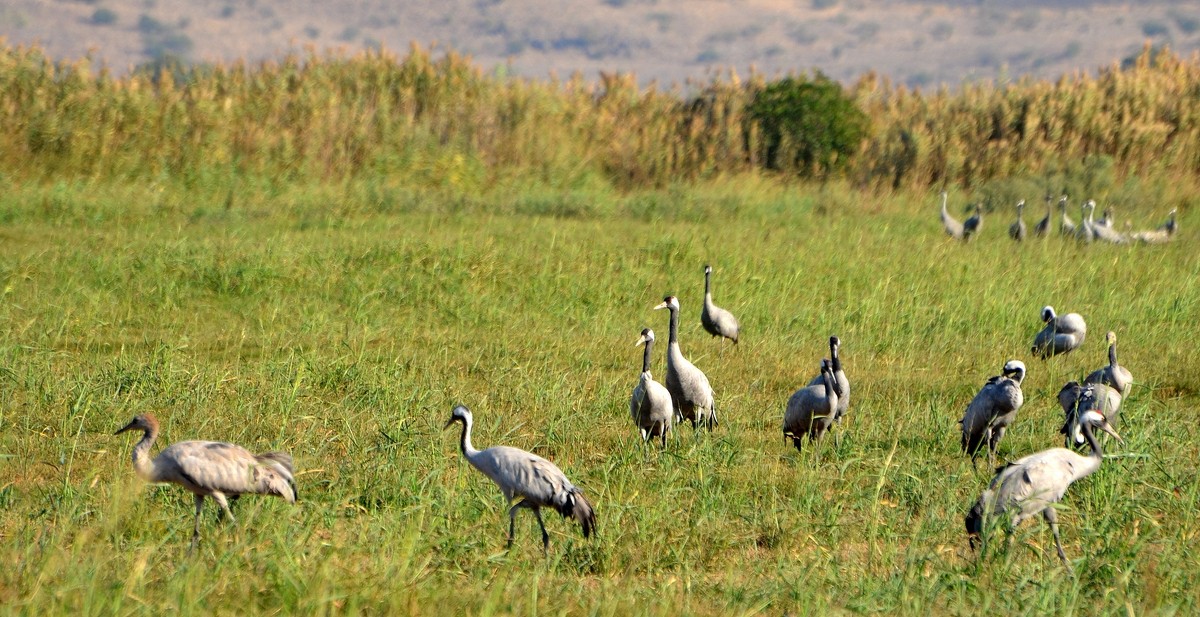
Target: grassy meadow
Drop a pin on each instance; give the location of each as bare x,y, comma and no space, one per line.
323,256
345,340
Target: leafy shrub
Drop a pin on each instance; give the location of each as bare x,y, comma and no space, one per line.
809,125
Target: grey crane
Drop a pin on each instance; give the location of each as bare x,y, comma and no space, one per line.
953,227
1033,484
690,392
534,480
1161,235
716,320
1017,230
992,410
1107,221
811,410
1086,231
839,375
1114,374
214,469
1103,230
1066,226
650,405
1042,228
1061,334
974,224
1076,399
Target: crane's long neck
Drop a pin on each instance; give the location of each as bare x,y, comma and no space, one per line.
835,360
707,286
646,357
1096,454
831,388
468,450
673,337
1112,354
142,463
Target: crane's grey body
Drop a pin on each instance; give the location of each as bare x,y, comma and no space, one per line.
993,410
839,375
1161,235
211,469
1066,226
1017,230
953,227
1103,230
1033,484
690,393
1042,228
1114,374
974,224
1086,232
1077,399
716,320
650,405
1062,334
811,410
534,480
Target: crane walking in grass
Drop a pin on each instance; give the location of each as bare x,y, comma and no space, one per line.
1061,334
522,475
211,469
650,405
716,320
690,392
992,410
1035,483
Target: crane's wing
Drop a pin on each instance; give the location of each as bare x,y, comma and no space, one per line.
215,466
1036,480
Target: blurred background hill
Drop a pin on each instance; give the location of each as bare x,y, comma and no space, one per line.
917,43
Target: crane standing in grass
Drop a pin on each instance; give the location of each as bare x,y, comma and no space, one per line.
1061,334
974,224
716,320
839,375
811,410
650,404
1042,228
1017,230
953,227
992,410
690,392
211,469
1036,482
1114,374
533,479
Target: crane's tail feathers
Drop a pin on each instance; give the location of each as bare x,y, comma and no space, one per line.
275,475
576,506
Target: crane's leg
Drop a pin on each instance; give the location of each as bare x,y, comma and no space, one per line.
1052,519
512,521
545,536
997,435
196,526
220,499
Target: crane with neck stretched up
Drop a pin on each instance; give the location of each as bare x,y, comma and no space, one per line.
650,404
213,469
716,320
691,394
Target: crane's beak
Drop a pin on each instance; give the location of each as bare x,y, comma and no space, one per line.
639,341
128,427
448,423
662,306
1107,428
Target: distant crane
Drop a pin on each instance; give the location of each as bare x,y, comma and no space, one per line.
1035,483
533,479
1061,334
210,469
650,405
1042,228
1016,231
690,392
811,410
839,375
953,227
716,320
973,225
1066,225
992,410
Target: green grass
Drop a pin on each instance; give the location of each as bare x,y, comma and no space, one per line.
342,328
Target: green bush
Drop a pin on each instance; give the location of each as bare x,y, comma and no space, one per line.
810,126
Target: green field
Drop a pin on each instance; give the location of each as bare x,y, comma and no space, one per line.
345,334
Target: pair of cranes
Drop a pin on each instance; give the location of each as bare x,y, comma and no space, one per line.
1088,230
1033,484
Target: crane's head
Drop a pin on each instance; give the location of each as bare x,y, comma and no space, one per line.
1111,337
1020,204
1090,205
145,422
1062,202
646,338
1048,314
1014,369
669,302
834,342
460,414
1094,418
707,269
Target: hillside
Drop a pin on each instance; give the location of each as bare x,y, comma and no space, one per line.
917,43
